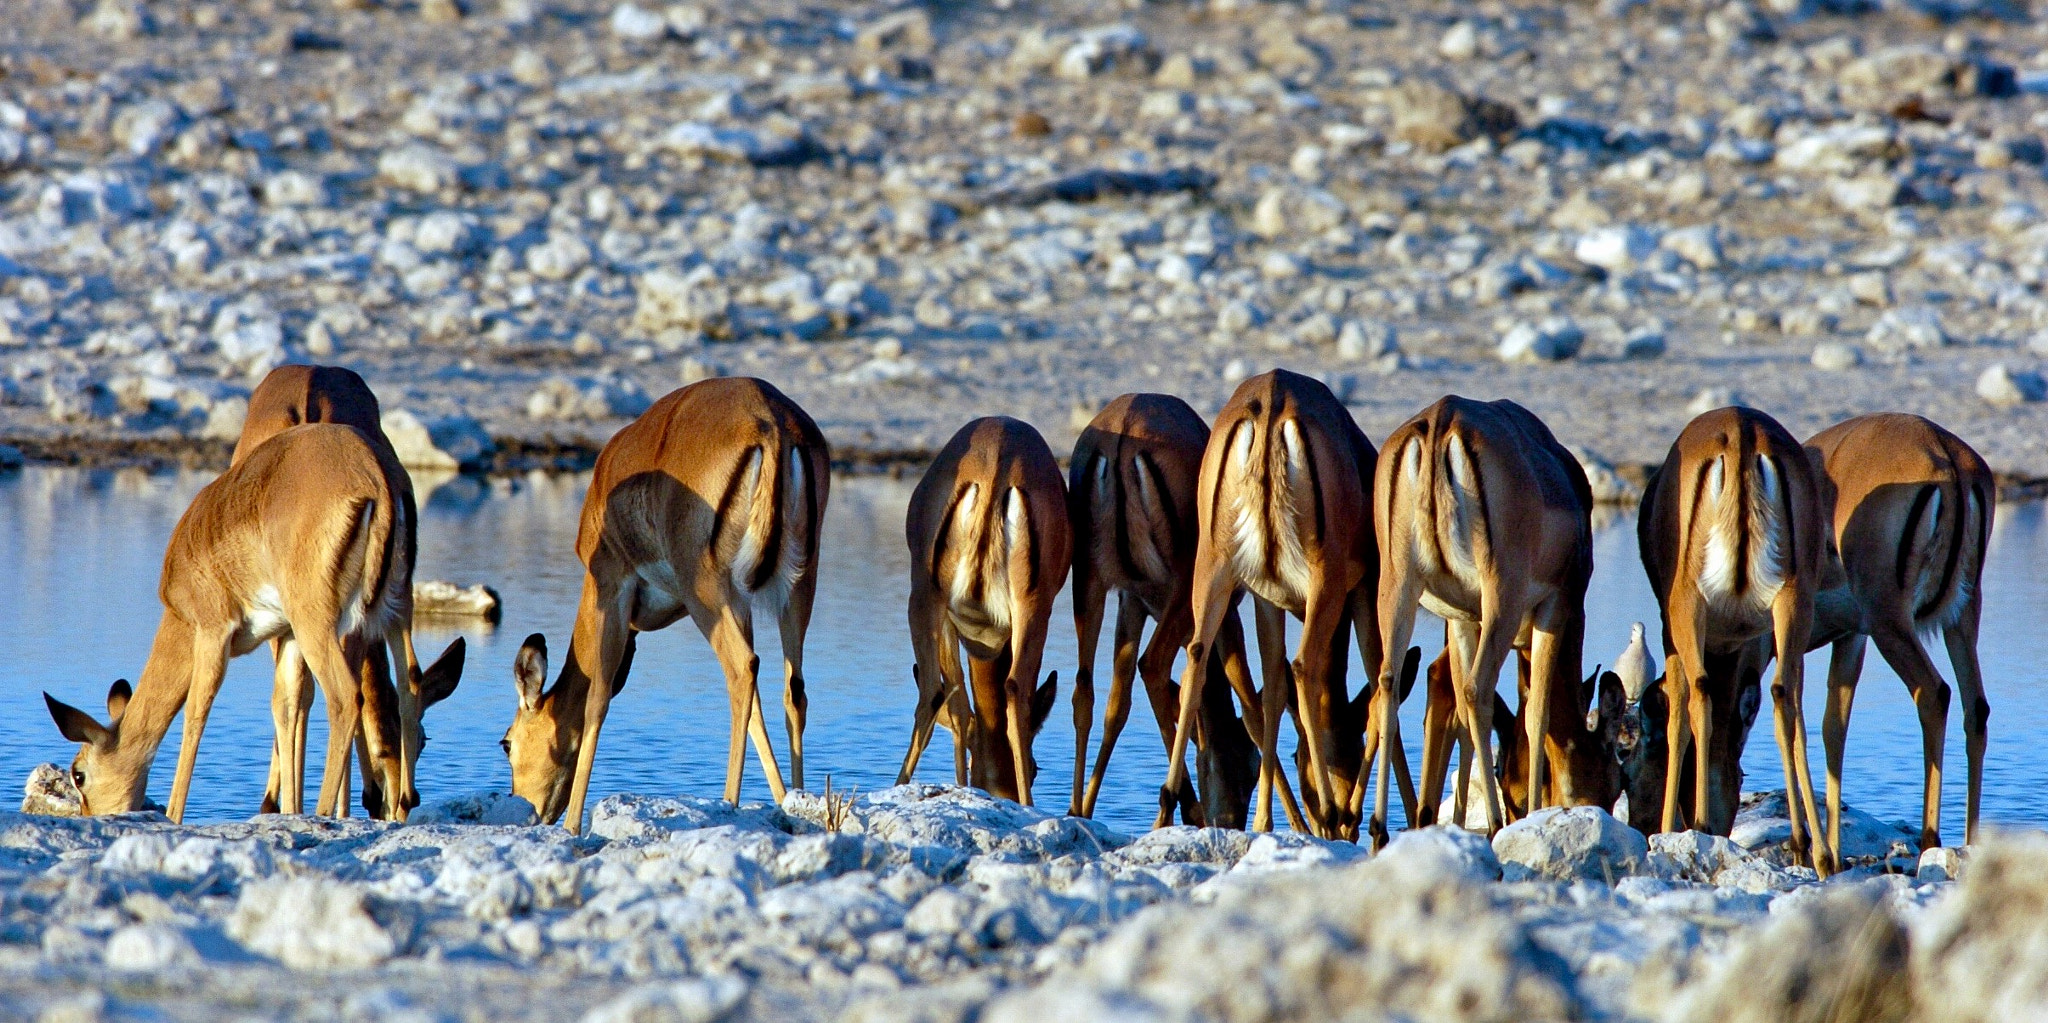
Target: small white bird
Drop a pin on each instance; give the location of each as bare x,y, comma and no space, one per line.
1635,666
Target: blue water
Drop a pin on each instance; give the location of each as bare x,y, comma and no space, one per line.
80,551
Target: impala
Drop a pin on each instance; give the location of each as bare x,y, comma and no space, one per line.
304,536
1733,537
989,549
1131,499
706,505
1485,519
1911,511
391,738
1282,512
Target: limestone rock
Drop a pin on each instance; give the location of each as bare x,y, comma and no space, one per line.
311,923
1578,843
446,444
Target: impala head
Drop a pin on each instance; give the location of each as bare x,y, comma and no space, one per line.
992,764
108,779
1642,748
381,735
543,754
1591,771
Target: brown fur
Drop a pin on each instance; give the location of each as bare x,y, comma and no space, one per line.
1131,498
389,744
312,514
671,499
1679,517
1911,510
964,564
1525,530
1287,454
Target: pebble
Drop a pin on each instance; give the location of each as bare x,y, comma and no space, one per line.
1362,341
1907,327
418,168
446,443
1836,356
1617,249
1551,340
2001,386
631,21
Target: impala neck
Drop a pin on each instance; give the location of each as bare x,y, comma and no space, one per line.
565,700
159,695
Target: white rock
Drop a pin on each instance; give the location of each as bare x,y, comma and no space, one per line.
310,923
141,128
49,790
1175,269
147,948
1444,851
1836,150
1552,340
1361,341
630,21
119,20
1563,844
1699,245
419,168
444,232
1942,863
446,444
1608,485
492,808
225,419
1461,42
1693,855
670,299
1710,398
698,1000
560,257
1836,356
1097,49
436,597
1617,249
1280,266
2001,386
1908,327
295,188
1238,316
249,336
778,142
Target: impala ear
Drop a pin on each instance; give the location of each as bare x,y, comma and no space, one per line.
75,724
1504,726
1589,699
1042,701
1411,666
530,671
118,696
438,682
1605,718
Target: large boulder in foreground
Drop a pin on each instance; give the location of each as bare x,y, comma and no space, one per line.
1580,843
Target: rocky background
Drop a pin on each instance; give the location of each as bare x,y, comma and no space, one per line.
935,904
524,219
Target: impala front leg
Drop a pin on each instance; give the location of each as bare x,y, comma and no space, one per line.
209,665
603,623
1792,615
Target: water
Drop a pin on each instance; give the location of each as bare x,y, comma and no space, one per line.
80,552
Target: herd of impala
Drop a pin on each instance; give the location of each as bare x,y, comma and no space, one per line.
710,505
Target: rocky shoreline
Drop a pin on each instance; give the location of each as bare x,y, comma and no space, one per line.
522,220
932,903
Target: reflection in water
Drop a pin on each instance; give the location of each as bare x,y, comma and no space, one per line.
80,552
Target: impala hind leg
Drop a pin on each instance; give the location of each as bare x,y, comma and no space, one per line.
1399,595
794,623
1792,616
1902,650
1496,640
1090,599
291,699
1961,639
730,629
1211,600
338,670
939,679
1270,624
1845,666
